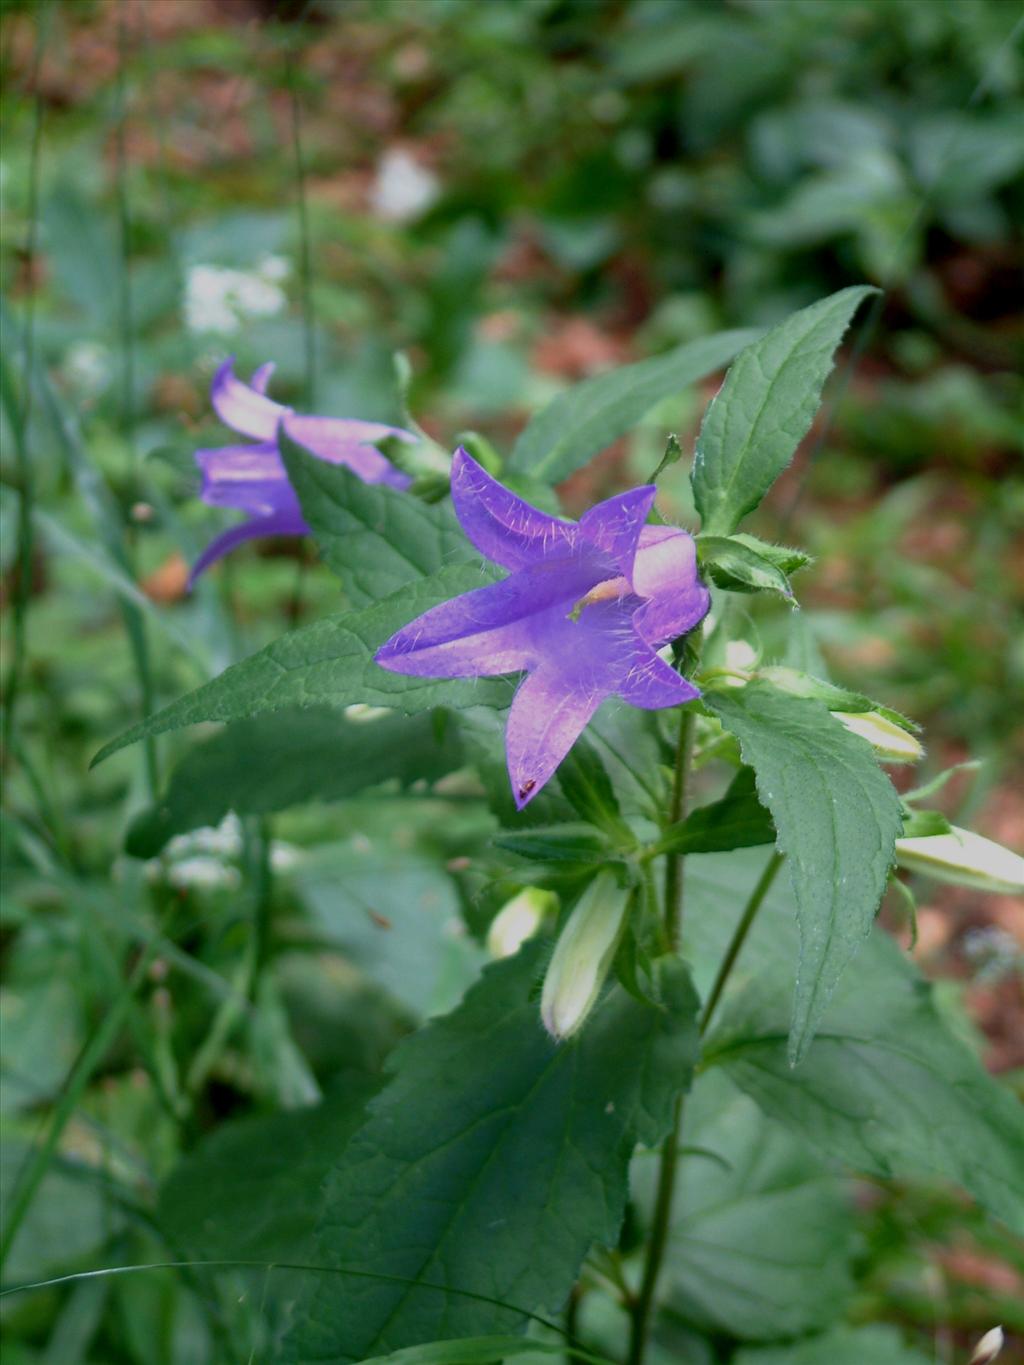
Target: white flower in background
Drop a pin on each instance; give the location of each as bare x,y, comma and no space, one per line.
402,188
220,299
223,840
963,858
988,1347
205,874
88,366
284,857
518,920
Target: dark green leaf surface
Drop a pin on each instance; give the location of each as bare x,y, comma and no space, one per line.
837,817
738,820
281,760
590,416
376,539
490,1164
330,662
760,1241
884,1087
764,410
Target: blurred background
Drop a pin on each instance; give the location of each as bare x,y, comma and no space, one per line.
515,194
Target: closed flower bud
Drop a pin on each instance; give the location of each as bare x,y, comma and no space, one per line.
988,1347
890,741
963,858
582,956
518,920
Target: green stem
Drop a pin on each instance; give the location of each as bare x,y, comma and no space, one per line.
739,937
673,907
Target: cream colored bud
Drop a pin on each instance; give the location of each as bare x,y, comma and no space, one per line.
964,858
890,741
518,920
988,1347
582,956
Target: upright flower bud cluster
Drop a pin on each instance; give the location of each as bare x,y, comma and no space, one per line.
582,956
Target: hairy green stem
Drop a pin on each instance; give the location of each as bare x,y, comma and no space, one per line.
673,907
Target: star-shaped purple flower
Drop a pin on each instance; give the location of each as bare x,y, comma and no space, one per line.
583,611
252,478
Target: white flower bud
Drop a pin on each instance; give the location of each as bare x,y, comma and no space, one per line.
518,920
964,858
988,1347
890,741
582,956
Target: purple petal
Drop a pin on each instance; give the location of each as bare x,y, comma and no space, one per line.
288,523
665,573
504,528
548,714
614,526
651,683
242,408
347,441
261,376
250,478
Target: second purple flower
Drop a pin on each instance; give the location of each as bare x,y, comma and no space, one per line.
251,478
583,612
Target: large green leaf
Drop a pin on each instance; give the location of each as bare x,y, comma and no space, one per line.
491,1163
837,817
376,539
876,1344
760,1241
591,415
330,662
885,1086
764,410
281,760
738,820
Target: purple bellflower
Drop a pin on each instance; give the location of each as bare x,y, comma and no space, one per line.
251,478
583,611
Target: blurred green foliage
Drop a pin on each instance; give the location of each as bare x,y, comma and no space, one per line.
573,183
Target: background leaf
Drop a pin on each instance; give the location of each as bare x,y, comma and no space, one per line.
884,1087
837,817
593,414
491,1162
764,410
272,762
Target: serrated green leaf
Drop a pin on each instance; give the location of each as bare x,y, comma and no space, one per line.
884,1087
490,1164
800,684
764,410
376,539
330,662
577,843
289,758
588,789
737,568
738,820
590,416
837,817
760,1240
784,557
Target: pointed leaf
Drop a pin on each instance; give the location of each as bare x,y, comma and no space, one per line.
589,417
764,410
491,1163
738,820
737,568
838,818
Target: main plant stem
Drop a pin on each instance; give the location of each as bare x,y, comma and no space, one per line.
668,1162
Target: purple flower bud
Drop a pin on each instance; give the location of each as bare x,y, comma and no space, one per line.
583,612
252,478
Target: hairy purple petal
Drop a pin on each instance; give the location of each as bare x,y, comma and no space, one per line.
344,440
261,376
665,574
547,716
649,682
614,526
502,526
248,478
244,408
